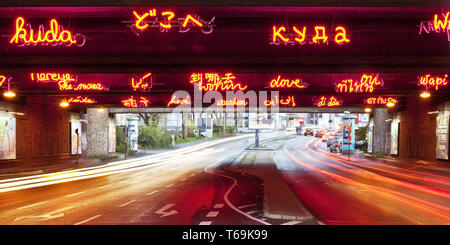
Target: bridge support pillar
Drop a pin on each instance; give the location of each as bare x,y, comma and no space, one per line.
100,135
381,133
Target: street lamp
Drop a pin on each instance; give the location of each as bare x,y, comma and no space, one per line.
425,95
368,110
390,104
64,104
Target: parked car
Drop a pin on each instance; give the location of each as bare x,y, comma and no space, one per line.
308,131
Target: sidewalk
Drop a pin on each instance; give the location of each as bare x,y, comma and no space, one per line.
280,202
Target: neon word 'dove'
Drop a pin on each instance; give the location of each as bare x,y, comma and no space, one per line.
366,84
215,82
299,35
56,35
324,101
428,81
45,77
174,100
81,100
380,100
280,82
143,85
135,103
289,101
166,20
438,25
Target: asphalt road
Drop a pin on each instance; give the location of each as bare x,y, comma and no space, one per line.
363,192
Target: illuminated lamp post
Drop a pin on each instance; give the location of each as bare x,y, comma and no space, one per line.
425,95
390,104
367,110
64,104
101,109
9,93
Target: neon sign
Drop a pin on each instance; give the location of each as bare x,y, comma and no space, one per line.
81,100
135,103
142,84
168,21
3,79
44,77
430,82
233,102
298,36
56,35
289,101
437,25
366,84
215,82
328,102
380,100
178,101
64,86
287,83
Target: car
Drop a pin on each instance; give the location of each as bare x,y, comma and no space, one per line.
325,137
318,134
336,146
308,131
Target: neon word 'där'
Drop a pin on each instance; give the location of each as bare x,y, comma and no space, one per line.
380,100
45,77
81,100
287,83
299,35
428,81
174,100
168,21
143,85
135,103
215,82
56,35
437,25
289,101
328,102
366,84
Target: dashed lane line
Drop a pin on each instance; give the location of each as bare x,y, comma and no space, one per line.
212,214
205,223
88,219
125,204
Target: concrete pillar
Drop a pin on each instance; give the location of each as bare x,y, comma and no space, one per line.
97,132
380,129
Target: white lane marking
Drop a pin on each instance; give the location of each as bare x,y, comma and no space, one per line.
104,186
153,192
35,204
219,205
212,214
247,206
293,222
52,215
75,194
225,197
87,220
205,223
125,204
167,213
252,212
170,185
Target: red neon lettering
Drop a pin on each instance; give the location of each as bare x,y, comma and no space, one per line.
90,86
287,83
142,18
178,101
328,102
320,34
2,80
290,101
301,34
380,100
52,77
333,102
341,37
215,82
438,24
170,16
233,102
277,34
429,81
141,85
366,84
189,17
134,103
81,100
55,36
